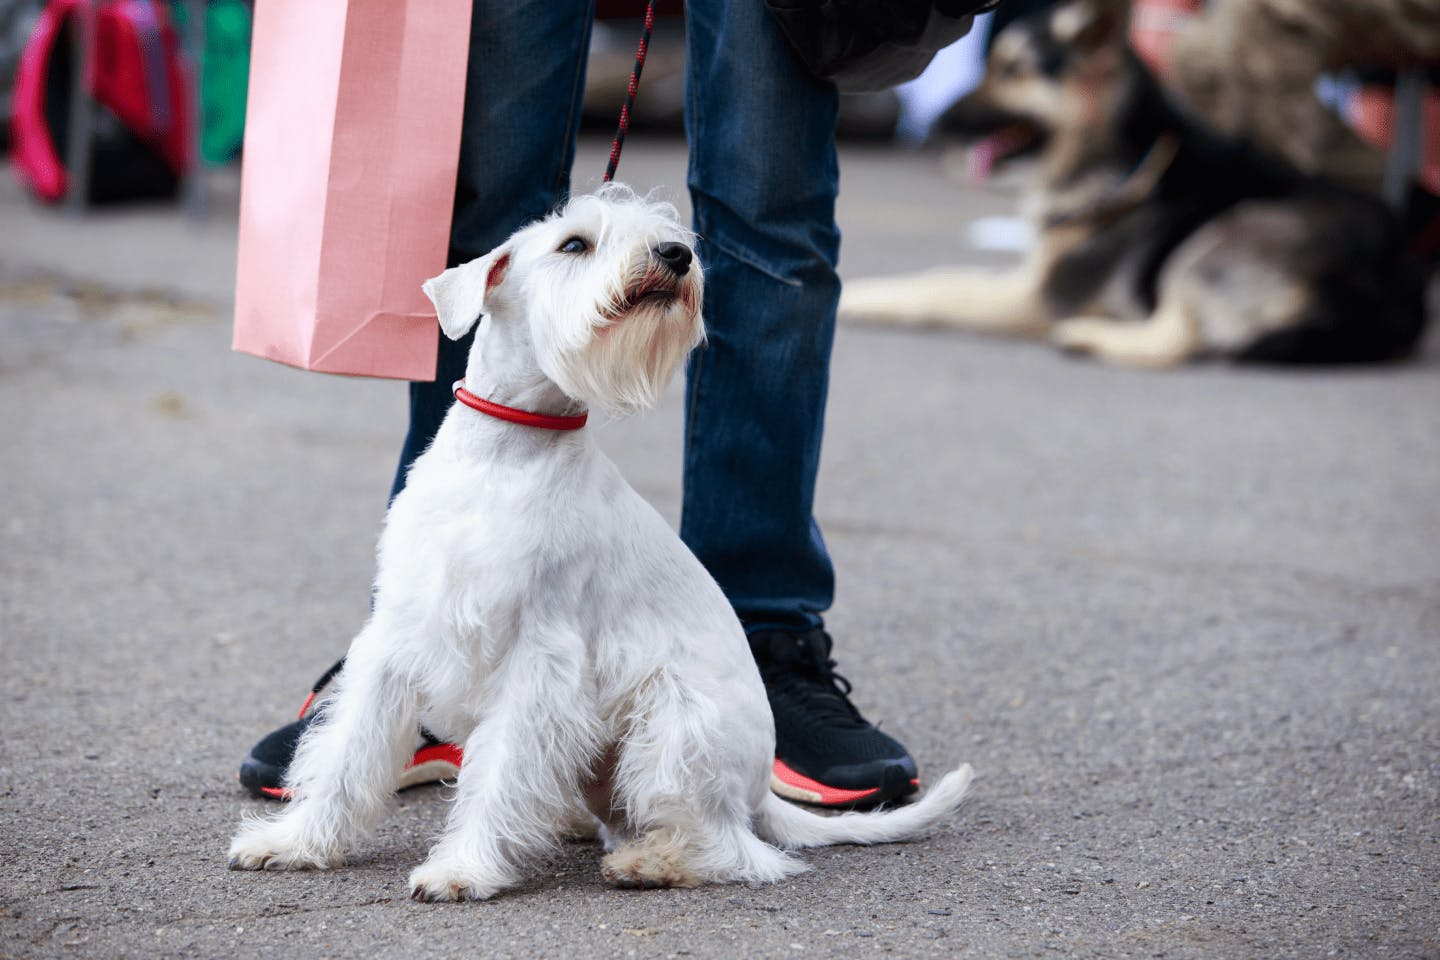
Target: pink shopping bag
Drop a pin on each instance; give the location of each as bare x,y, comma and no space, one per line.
352,135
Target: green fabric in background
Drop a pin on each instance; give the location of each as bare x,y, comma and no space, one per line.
225,74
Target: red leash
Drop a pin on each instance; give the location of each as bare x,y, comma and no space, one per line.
619,140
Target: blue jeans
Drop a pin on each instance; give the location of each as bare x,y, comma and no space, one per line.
763,177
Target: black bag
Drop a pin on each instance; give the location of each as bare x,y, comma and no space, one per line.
865,45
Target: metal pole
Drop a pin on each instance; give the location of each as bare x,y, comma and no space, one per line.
81,130
197,199
1406,127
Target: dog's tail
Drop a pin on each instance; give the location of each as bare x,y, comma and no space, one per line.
787,825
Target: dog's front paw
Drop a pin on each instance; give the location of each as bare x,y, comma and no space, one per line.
442,880
1079,336
269,845
877,300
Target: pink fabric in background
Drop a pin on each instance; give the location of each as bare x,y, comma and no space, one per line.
352,135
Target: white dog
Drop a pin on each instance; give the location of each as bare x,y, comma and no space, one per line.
530,605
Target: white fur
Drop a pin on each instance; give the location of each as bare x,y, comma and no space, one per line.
532,607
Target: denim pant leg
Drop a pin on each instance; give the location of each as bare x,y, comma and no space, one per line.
763,179
523,89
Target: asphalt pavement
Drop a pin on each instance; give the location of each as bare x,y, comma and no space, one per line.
1185,625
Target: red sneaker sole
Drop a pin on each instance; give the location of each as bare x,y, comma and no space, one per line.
430,764
796,786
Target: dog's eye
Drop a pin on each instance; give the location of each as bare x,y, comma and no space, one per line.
574,245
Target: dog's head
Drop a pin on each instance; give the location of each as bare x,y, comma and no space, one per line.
1047,75
606,293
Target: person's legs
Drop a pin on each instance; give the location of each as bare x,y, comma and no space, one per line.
763,179
524,84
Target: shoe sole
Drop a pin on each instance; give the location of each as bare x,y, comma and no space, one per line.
438,762
431,764
786,783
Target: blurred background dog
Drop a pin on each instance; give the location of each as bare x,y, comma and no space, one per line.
1159,238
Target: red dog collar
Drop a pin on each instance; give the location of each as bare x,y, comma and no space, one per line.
523,417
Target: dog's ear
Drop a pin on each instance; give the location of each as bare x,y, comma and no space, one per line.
1095,24
459,293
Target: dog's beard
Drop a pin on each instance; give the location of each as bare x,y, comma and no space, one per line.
634,337
629,363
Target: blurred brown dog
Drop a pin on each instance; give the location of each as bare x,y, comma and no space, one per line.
1250,67
1158,239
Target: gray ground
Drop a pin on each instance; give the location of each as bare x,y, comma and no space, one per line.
1185,625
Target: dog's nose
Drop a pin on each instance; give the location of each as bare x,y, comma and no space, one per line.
676,256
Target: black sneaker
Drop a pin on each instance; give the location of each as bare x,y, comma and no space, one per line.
826,753
262,772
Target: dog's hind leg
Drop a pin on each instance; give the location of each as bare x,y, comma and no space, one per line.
1169,337
345,769
1005,304
661,857
523,774
687,781
711,850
